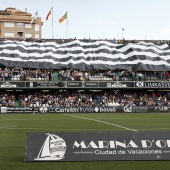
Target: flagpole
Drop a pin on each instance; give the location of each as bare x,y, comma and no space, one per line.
67,27
37,18
37,23
52,22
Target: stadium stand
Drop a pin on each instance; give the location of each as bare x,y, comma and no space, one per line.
23,74
7,99
72,98
28,74
122,67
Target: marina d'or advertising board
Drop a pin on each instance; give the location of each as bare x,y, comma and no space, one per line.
97,146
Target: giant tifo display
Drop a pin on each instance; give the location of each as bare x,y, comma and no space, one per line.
77,54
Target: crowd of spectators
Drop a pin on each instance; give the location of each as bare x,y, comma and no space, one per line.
87,99
27,74
114,75
7,99
102,98
74,74
23,74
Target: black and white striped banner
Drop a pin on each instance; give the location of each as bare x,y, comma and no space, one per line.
85,55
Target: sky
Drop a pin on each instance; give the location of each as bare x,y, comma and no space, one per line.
100,19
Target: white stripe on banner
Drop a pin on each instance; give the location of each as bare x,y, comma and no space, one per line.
96,62
89,49
91,55
111,44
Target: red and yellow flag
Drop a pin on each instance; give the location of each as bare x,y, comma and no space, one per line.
49,13
63,18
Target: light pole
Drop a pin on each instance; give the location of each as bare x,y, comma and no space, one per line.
122,33
117,36
103,35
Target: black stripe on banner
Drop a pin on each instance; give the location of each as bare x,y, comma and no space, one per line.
96,51
77,44
102,58
84,66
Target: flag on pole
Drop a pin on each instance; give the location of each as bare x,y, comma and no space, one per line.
63,18
49,13
36,15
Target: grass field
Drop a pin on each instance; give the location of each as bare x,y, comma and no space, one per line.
13,128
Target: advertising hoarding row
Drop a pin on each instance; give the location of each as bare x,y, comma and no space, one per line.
84,84
114,109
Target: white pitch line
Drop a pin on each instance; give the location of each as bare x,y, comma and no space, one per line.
73,118
23,128
33,119
15,128
102,122
156,129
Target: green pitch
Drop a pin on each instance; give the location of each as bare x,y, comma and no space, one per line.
14,127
